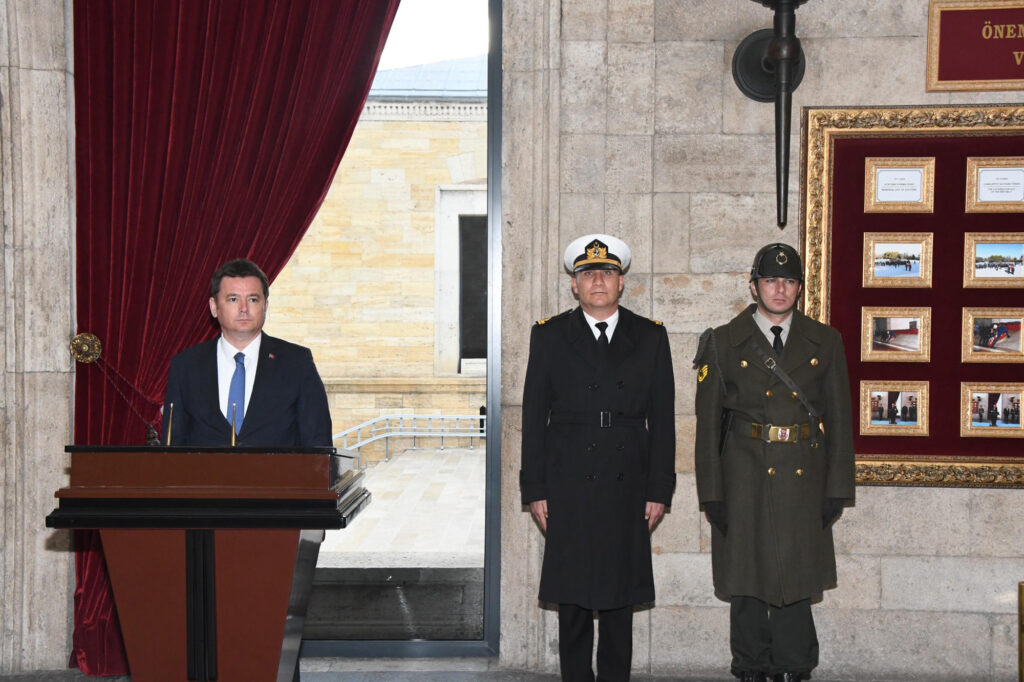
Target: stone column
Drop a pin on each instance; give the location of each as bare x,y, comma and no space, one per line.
530,237
37,290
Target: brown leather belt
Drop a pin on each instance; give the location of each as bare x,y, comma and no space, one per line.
771,433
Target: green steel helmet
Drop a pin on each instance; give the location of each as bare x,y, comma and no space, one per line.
777,260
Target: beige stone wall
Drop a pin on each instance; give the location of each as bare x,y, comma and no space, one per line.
622,116
360,289
37,285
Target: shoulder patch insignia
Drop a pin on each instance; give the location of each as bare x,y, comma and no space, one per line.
702,373
542,321
657,322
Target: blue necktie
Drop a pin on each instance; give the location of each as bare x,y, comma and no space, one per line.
236,393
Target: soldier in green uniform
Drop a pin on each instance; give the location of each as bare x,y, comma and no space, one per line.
774,466
598,458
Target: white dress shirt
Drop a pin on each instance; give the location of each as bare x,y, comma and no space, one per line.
612,321
226,369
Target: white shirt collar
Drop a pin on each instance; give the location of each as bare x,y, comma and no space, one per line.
765,325
612,321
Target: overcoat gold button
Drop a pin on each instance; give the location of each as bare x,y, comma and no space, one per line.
743,364
771,471
768,393
799,472
814,362
795,394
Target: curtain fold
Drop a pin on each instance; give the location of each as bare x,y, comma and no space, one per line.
205,130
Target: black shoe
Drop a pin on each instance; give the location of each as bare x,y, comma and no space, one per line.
788,677
750,676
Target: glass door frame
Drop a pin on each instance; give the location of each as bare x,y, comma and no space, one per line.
488,646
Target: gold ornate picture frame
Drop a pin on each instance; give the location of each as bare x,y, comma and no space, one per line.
899,184
991,335
894,408
991,410
950,461
897,259
889,334
993,260
995,184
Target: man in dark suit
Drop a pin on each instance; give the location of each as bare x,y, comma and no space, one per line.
598,458
267,388
775,467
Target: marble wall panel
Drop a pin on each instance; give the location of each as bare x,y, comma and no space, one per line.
717,219
583,163
628,217
903,645
684,579
702,20
951,584
859,583
906,522
691,641
630,21
714,163
631,78
688,87
691,304
34,34
585,87
686,433
628,163
584,20
684,347
679,530
671,232
995,527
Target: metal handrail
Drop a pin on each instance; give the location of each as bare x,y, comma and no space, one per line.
416,426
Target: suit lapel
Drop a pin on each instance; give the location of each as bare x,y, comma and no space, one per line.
743,332
211,384
801,344
623,341
581,338
265,369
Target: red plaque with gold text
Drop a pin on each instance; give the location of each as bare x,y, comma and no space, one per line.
975,45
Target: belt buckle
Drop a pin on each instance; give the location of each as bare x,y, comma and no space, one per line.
782,434
606,418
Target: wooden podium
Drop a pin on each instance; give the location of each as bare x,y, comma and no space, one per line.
210,551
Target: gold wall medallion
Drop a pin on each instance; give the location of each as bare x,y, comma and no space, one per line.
86,347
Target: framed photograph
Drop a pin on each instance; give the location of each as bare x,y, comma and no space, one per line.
993,260
990,410
991,335
899,185
895,334
923,252
995,184
897,259
894,408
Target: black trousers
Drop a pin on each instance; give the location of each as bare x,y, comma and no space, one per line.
772,639
576,643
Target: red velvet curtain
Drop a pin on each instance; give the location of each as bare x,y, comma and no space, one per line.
206,130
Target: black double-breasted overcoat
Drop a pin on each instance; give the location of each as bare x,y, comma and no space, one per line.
597,479
776,547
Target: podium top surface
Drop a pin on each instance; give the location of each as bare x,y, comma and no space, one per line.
320,450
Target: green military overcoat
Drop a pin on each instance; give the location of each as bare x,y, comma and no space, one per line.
775,547
597,479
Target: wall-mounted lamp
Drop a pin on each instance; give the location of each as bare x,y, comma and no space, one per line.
768,66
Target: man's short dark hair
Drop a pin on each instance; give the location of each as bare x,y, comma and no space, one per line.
240,267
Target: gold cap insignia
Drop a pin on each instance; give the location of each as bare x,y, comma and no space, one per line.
596,250
781,258
702,373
